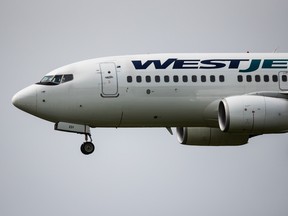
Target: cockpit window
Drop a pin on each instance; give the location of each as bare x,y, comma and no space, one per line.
56,80
46,79
67,78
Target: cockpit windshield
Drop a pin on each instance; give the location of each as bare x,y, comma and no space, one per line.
56,80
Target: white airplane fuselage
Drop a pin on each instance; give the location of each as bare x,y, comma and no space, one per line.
159,90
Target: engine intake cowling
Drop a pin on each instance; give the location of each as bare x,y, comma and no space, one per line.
253,114
203,136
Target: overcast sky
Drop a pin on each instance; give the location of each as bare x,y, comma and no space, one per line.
133,171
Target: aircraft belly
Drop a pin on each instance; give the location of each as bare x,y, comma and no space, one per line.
162,113
168,107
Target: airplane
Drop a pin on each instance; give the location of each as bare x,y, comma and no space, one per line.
216,99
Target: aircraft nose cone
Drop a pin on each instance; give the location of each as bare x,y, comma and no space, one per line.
26,100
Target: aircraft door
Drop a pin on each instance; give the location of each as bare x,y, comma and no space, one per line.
109,80
283,80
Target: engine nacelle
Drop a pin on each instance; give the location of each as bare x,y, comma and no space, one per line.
253,114
209,137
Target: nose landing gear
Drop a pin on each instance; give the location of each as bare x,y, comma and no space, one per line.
87,147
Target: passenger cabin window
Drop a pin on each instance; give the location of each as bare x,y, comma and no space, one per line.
257,78
240,78
139,79
212,78
129,79
157,79
56,80
194,78
203,78
266,78
222,78
249,78
185,78
175,78
166,79
148,79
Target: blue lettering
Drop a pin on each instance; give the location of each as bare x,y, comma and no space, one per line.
275,63
254,64
186,64
214,64
157,63
234,63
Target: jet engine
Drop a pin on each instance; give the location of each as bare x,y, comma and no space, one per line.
203,136
253,114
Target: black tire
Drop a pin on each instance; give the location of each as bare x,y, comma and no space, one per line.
87,148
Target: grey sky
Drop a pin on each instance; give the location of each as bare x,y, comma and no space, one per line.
133,171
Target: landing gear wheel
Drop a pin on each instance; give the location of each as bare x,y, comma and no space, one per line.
87,148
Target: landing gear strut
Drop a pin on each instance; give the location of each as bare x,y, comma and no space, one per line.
87,147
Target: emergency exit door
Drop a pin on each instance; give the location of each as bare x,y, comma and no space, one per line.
109,80
283,80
